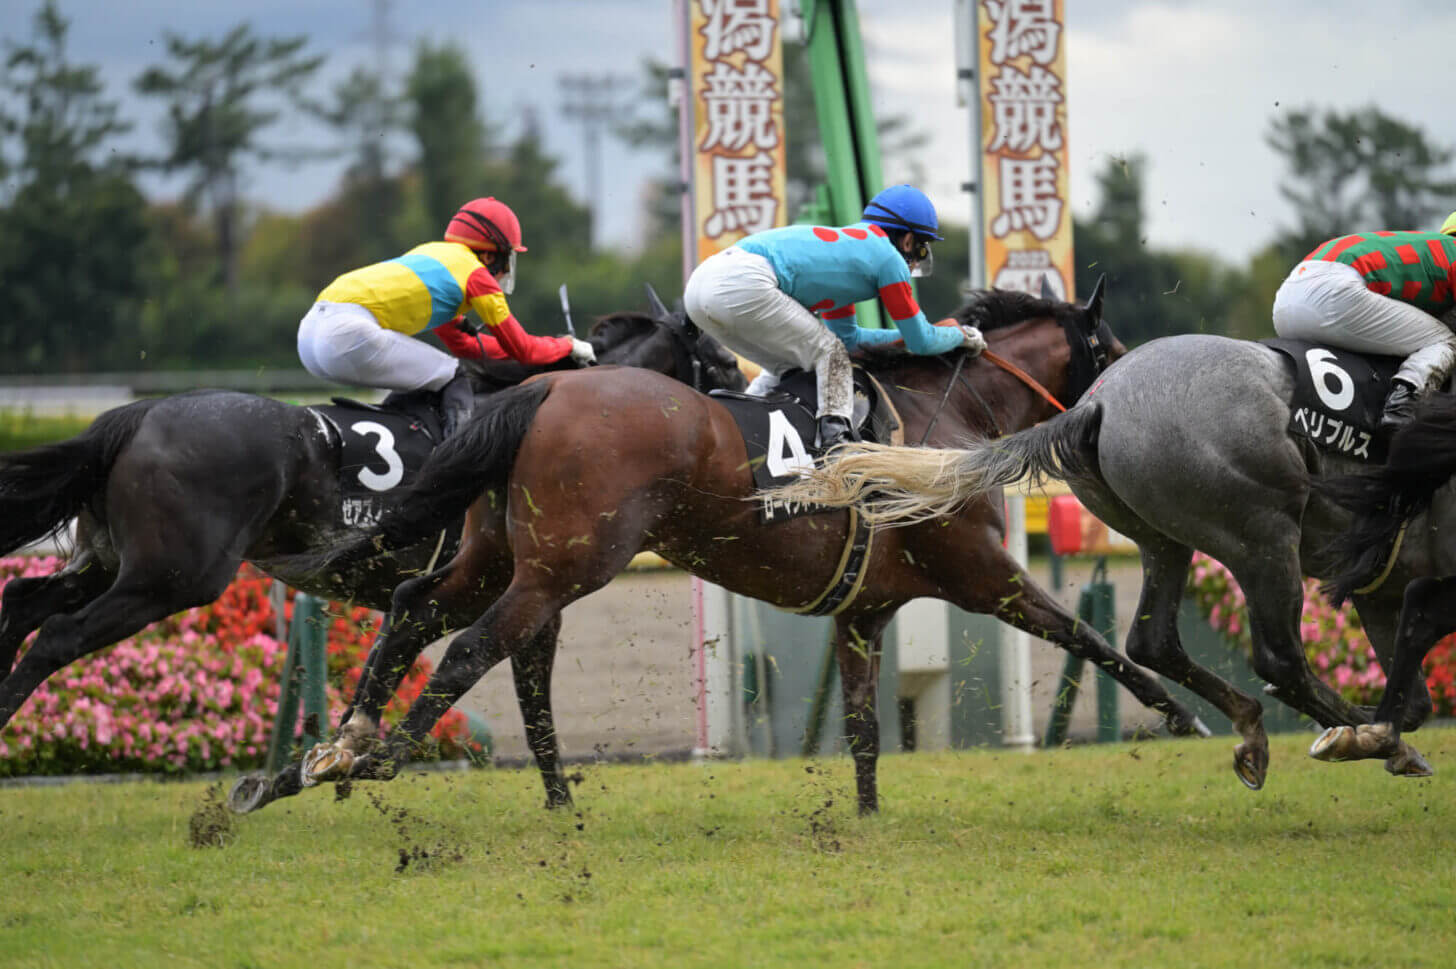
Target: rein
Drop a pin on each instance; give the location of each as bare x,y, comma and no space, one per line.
1024,377
1005,365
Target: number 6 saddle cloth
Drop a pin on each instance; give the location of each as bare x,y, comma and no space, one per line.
1338,398
779,430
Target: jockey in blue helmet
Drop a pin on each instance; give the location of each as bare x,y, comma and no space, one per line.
785,298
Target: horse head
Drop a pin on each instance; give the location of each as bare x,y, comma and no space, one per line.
668,342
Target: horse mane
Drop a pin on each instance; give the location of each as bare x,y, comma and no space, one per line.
616,328
991,309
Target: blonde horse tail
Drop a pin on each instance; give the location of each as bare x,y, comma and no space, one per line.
901,485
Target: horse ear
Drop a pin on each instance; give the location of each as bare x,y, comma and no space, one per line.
1093,309
654,305
1046,288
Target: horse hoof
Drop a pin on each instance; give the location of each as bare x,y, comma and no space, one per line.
325,762
250,792
1250,767
1408,762
1356,743
1335,744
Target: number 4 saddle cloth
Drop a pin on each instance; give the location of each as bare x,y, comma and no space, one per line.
1338,398
779,430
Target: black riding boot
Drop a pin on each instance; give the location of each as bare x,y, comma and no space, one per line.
834,430
1400,406
457,401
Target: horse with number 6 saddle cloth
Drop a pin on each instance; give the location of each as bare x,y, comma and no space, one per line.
779,431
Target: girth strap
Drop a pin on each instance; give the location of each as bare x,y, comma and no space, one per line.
849,576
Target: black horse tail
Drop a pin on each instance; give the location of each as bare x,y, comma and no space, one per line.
477,458
44,487
1422,459
906,484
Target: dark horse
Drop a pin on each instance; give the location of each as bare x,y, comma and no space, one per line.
569,476
1182,446
1410,492
171,495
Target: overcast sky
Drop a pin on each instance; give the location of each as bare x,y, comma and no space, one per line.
1192,84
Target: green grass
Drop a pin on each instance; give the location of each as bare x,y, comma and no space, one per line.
1130,855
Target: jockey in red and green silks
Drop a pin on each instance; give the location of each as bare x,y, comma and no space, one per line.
360,331
1390,293
784,298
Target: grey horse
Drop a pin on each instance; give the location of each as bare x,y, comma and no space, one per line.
1181,446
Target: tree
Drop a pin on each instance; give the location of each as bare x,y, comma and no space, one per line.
366,116
1150,293
444,118
216,118
1357,171
73,234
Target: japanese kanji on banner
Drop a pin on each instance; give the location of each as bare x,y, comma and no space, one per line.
739,181
1027,223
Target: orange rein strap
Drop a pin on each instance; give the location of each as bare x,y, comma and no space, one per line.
1022,376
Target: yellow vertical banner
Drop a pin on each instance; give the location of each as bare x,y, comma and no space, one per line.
1025,202
736,83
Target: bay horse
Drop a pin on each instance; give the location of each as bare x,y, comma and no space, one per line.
1388,501
171,495
1183,446
570,475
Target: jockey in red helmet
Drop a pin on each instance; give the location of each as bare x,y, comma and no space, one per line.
359,330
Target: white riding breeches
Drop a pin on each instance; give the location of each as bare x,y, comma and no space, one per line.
1328,302
734,296
344,343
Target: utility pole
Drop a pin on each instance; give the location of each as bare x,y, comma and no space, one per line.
595,101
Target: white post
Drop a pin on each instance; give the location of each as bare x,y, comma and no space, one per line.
1016,725
715,665
968,94
923,645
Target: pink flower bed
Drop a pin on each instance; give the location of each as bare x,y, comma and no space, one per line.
195,692
1334,642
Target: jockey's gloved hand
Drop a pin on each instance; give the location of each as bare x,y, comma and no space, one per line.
972,340
582,353
467,326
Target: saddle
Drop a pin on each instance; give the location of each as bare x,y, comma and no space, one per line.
779,430
1338,397
381,448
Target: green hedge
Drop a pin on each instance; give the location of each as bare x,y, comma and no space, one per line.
22,430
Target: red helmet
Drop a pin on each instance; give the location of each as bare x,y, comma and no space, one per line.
486,224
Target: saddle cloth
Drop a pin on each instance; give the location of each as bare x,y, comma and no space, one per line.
1338,398
779,431
381,448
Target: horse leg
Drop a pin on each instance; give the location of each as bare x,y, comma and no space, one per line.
1153,641
26,603
507,627
1274,590
531,671
422,612
857,648
1380,618
1427,614
1021,602
131,604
